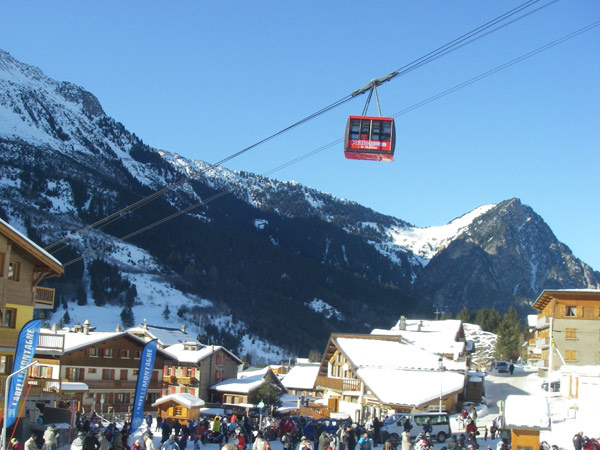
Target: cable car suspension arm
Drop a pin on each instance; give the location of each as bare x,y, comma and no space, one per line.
372,86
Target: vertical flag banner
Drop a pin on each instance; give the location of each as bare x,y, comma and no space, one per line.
144,377
26,346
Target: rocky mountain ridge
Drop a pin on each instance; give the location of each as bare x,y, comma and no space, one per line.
264,253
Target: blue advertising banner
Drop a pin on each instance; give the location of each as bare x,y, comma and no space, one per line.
144,377
26,345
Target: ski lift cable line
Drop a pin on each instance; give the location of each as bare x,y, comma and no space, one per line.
498,68
453,45
439,52
336,142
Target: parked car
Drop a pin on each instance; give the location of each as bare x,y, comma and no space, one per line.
502,366
329,425
554,386
393,426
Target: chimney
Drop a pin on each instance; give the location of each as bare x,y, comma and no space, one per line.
118,328
402,323
183,328
86,327
54,328
420,325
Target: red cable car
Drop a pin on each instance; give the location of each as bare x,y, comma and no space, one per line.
370,138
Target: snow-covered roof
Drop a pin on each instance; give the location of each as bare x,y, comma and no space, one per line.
240,385
392,354
301,376
410,387
75,341
440,342
527,412
450,326
181,354
35,249
166,336
247,381
187,400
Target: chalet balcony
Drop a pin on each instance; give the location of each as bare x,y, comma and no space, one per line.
542,342
186,381
43,298
338,384
51,342
543,322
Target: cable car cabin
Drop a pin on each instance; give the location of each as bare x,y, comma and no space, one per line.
370,138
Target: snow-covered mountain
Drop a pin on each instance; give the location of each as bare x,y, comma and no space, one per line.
245,260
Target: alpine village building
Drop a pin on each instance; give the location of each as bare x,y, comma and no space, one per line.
23,266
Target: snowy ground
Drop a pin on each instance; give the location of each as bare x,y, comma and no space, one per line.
524,381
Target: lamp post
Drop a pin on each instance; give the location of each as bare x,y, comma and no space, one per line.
441,368
6,399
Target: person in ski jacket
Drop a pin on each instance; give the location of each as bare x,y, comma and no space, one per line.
453,444
77,443
50,440
406,444
30,443
365,442
104,444
15,444
170,444
137,445
578,441
148,442
90,442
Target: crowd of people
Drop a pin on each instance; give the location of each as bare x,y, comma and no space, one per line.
241,433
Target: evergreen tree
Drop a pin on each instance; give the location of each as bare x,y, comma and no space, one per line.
166,312
81,296
127,318
66,318
464,315
314,355
509,336
269,393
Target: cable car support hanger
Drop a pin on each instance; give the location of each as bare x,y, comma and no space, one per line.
372,86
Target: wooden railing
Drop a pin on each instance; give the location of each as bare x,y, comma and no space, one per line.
55,342
43,297
186,381
339,384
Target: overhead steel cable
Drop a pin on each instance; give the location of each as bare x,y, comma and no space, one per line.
336,142
439,52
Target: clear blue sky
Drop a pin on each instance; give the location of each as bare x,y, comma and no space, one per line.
207,79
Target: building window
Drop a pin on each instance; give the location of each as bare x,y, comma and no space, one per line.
94,352
138,354
219,375
570,333
108,374
125,353
178,411
5,364
570,311
108,352
122,397
75,373
570,355
7,317
14,271
91,370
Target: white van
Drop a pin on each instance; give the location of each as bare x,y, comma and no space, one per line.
393,426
